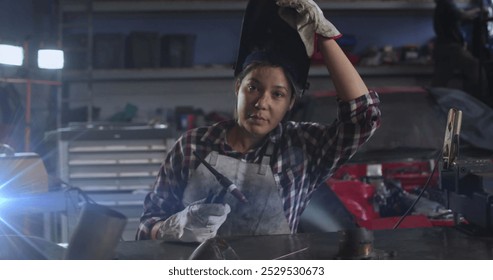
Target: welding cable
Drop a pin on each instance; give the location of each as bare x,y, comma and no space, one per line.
427,184
82,193
69,187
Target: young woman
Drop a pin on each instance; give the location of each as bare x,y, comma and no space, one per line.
275,163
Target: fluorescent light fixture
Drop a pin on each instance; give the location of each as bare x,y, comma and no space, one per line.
50,59
11,55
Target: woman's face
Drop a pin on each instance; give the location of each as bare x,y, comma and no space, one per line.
264,97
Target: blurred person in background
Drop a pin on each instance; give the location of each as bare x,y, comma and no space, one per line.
451,53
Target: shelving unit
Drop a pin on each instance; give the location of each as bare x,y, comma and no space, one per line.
218,77
214,6
143,75
99,80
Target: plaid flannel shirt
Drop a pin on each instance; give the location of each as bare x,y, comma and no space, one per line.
306,154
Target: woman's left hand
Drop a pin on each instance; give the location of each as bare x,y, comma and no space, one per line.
308,19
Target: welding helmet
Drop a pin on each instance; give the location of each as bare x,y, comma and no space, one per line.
266,37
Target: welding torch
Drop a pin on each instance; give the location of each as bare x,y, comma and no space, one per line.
227,185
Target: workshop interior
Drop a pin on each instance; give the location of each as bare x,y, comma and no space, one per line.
94,93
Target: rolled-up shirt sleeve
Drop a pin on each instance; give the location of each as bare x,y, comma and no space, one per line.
356,122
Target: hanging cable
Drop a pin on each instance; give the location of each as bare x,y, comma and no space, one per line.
421,193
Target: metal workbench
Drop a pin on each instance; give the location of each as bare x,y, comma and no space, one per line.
403,244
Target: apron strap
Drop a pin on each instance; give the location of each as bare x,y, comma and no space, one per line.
213,158
265,163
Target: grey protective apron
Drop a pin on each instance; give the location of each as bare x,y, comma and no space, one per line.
262,215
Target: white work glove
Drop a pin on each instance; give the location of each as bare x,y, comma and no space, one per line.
308,19
196,223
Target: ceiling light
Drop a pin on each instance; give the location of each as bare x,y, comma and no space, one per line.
50,59
11,55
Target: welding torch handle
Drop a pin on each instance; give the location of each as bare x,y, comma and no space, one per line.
211,169
225,182
232,188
